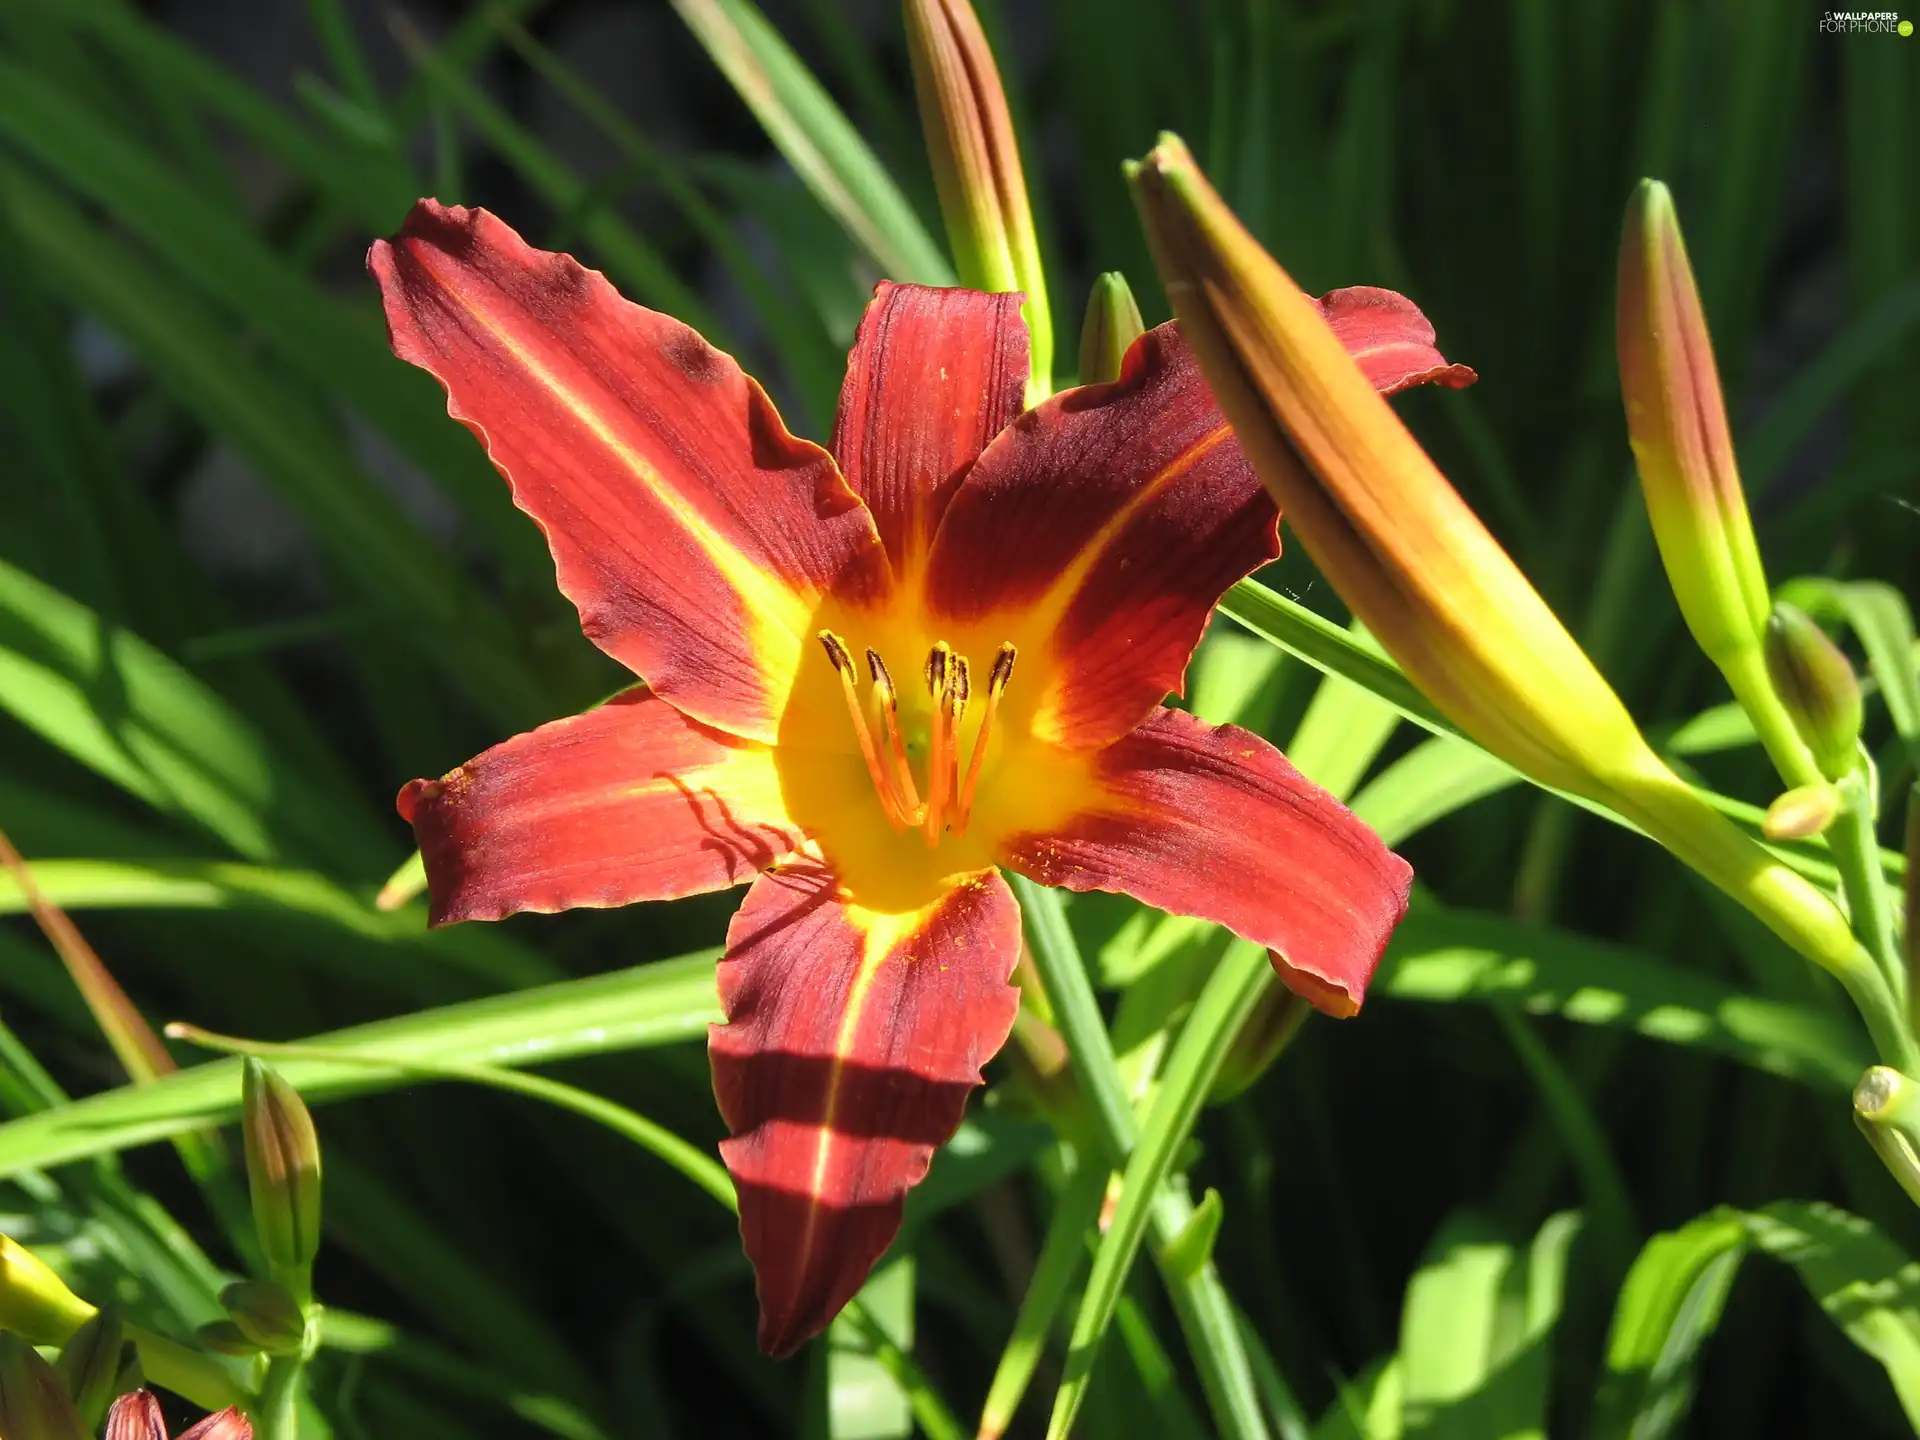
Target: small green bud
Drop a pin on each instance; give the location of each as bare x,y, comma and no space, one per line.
35,1303
91,1364
1817,685
225,1337
283,1174
1801,813
266,1314
1113,323
33,1403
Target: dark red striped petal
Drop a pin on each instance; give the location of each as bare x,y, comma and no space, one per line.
1097,532
696,536
136,1416
1390,339
851,1042
1214,822
228,1424
934,375
630,801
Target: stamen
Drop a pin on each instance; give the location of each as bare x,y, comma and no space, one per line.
906,793
942,675
997,679
843,662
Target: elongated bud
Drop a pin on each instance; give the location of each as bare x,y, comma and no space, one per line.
35,1303
1677,422
267,1314
136,1417
1405,552
1801,813
91,1363
33,1402
976,167
283,1174
1113,323
1910,929
228,1424
225,1337
1275,1020
1816,683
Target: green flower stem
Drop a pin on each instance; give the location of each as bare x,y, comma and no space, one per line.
1076,1212
204,1379
1855,847
935,1416
1199,1299
1856,854
1886,1109
276,1413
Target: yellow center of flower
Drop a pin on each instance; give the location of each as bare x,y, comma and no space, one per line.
931,744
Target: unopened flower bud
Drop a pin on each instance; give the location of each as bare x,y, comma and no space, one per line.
136,1417
1801,813
225,1337
228,1424
976,166
266,1314
283,1174
1816,683
33,1402
35,1303
1677,422
91,1364
1112,325
1275,1020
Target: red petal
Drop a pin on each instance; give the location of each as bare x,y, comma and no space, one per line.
695,534
1389,337
228,1424
631,801
934,375
136,1417
1213,822
1104,524
851,1043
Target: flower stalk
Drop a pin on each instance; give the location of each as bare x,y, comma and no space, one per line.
1419,568
976,167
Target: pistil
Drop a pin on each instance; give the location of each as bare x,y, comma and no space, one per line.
940,671
949,802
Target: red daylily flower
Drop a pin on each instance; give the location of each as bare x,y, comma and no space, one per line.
874,675
137,1417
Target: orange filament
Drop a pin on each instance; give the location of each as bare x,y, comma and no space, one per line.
843,662
997,680
905,792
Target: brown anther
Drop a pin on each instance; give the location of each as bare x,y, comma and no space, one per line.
1002,670
836,649
936,670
